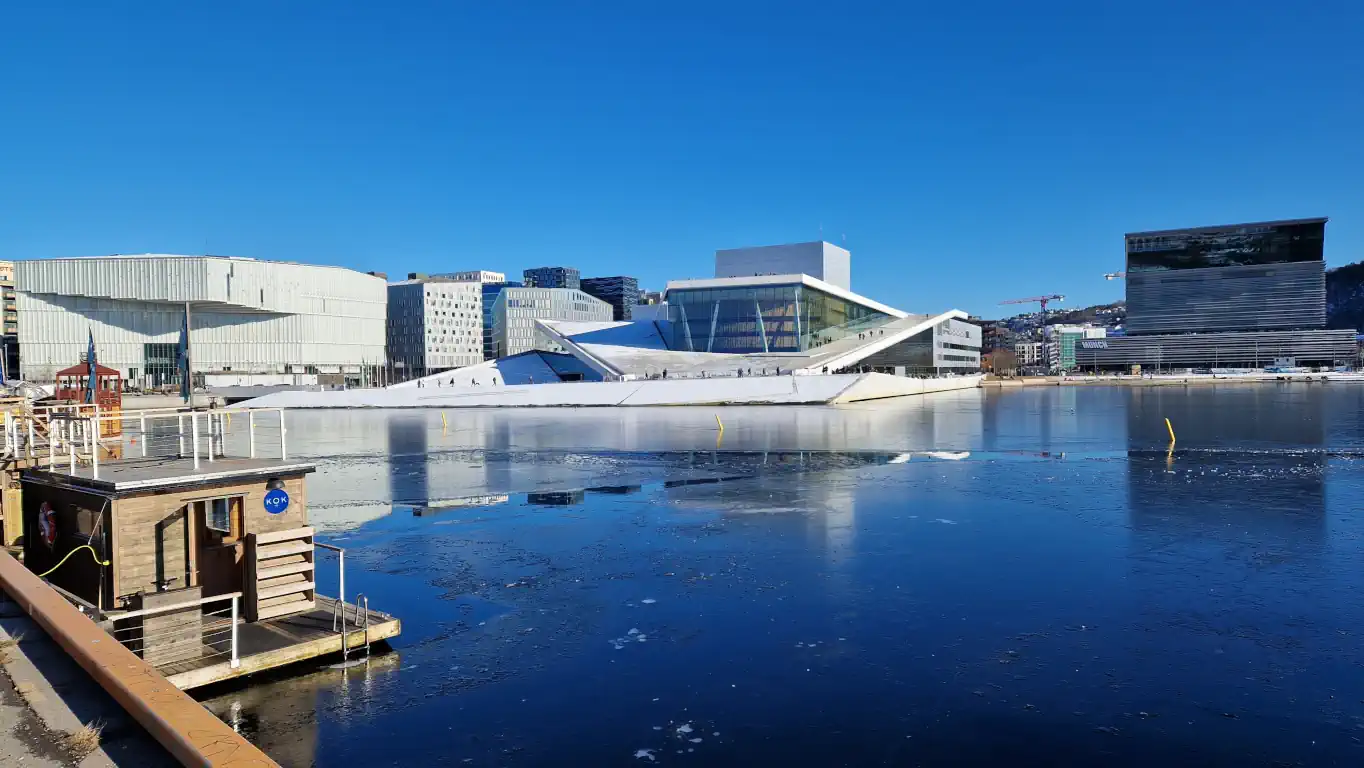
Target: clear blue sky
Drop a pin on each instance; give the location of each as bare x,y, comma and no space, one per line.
965,152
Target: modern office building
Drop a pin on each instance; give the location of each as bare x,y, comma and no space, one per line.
621,292
10,337
820,260
1235,296
516,311
474,276
648,298
552,277
259,320
1243,277
1062,342
434,324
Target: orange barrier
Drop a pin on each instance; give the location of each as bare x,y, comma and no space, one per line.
188,731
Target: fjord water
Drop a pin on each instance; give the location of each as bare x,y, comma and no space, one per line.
1028,577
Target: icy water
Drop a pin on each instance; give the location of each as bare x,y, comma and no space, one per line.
980,578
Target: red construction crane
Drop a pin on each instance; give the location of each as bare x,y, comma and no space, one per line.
1040,299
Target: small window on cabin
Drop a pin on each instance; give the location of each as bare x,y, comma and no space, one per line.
218,517
222,518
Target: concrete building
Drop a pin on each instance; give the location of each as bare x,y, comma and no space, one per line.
1029,353
621,292
820,260
259,320
1235,296
434,324
517,310
10,337
552,277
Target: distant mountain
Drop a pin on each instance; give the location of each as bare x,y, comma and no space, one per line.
1345,296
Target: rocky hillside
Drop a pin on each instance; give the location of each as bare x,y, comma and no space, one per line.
1345,296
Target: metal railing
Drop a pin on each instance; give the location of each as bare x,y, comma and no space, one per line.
73,436
205,635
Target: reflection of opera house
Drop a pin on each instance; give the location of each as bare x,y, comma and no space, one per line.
1236,296
778,325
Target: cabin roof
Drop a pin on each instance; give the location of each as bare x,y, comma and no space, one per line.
130,477
84,369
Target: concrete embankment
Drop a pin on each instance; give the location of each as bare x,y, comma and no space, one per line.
1163,381
752,390
188,732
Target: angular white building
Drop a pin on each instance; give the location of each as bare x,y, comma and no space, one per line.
517,311
263,321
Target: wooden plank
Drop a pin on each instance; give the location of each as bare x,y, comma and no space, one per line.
297,606
277,536
250,568
285,589
259,662
272,572
280,550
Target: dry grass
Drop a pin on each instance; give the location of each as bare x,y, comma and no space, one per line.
81,743
8,646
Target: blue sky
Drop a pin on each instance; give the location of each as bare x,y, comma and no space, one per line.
965,152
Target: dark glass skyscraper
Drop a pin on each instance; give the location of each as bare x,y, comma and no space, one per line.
1241,277
552,277
621,292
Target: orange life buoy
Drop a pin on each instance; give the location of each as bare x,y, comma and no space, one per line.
47,523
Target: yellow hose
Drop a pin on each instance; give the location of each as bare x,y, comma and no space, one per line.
93,554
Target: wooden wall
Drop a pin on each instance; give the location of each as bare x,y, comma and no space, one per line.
151,531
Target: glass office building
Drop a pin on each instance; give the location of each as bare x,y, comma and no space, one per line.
766,317
621,292
1262,276
490,293
552,277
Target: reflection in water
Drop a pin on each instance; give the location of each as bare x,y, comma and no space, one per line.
1256,463
1013,564
280,713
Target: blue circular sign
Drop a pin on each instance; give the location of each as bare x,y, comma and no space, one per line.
276,501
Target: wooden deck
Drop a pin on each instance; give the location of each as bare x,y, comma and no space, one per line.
276,643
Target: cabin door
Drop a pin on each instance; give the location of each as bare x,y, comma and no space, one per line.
219,544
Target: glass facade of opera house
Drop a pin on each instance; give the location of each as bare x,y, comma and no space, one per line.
763,318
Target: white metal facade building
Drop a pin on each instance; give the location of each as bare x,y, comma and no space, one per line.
434,324
247,316
517,309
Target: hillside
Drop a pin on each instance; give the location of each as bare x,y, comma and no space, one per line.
1345,296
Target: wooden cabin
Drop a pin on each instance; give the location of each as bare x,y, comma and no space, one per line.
72,384
165,533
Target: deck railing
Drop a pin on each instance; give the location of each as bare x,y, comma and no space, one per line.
188,632
73,436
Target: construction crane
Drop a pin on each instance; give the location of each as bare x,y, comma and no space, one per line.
1115,275
1040,299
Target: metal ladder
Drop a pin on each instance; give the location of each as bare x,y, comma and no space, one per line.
339,618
